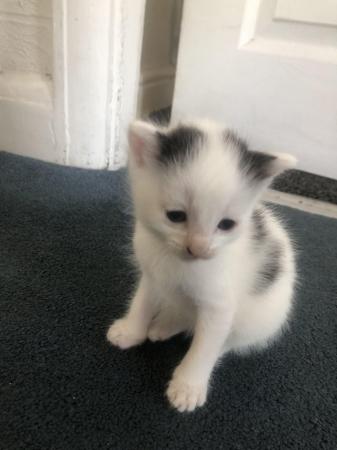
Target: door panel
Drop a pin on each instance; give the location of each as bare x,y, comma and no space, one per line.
262,68
322,12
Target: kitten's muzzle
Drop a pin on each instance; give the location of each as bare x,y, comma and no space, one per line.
198,247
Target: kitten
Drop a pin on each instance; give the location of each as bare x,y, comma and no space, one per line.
214,262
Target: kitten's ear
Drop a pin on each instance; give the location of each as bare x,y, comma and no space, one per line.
280,163
143,141
264,166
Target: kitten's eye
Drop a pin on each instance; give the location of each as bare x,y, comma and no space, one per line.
176,216
226,224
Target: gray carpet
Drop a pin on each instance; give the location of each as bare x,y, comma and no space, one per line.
308,185
64,276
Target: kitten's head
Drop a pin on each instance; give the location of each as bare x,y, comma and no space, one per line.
195,185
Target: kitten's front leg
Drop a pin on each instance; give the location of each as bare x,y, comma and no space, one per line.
188,386
132,329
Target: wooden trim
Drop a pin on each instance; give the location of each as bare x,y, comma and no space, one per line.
96,78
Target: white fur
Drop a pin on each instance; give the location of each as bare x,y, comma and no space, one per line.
211,296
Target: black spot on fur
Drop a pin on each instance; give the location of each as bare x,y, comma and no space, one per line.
179,145
270,268
255,164
259,225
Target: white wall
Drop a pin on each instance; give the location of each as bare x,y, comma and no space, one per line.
26,36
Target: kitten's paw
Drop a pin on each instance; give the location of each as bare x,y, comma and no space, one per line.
185,396
122,334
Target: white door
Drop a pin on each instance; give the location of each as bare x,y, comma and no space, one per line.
269,69
69,74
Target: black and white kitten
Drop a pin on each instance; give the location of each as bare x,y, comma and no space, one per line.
214,262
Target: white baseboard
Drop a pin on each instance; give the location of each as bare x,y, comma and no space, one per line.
303,203
26,120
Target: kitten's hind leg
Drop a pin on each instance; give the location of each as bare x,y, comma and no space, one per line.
167,323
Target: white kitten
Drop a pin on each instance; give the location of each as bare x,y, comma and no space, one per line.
213,263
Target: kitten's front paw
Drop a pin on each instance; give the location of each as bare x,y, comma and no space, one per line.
185,396
123,335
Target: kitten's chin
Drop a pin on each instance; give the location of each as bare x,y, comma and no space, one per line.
199,258
184,255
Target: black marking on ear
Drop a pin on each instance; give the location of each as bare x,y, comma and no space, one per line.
255,164
259,225
179,145
270,269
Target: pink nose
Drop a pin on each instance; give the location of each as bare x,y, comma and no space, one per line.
198,247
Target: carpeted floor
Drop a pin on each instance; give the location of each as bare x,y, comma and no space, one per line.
307,185
64,277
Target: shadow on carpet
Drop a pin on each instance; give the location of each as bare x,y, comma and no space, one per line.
64,276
